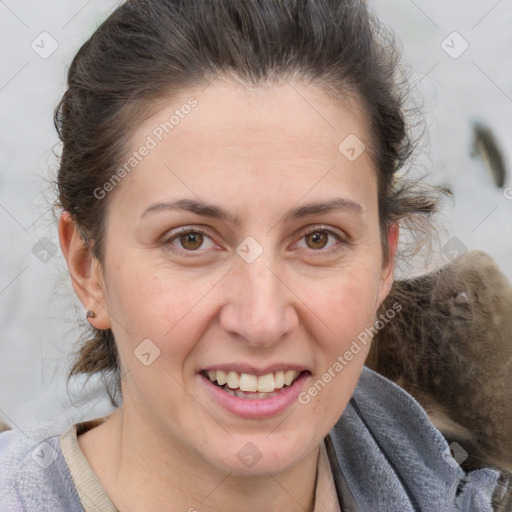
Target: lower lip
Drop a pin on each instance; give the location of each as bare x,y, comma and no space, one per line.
257,408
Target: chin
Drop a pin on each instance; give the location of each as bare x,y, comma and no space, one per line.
258,455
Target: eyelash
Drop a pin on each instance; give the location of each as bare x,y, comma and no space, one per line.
184,231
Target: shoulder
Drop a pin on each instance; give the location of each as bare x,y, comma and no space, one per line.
34,476
393,458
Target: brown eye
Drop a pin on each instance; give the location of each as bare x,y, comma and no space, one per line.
317,239
321,241
191,241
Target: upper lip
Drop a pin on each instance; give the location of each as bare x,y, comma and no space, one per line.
254,370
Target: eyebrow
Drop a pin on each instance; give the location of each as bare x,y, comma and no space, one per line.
210,210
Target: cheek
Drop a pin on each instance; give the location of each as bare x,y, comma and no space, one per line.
343,313
347,302
152,302
350,304
158,322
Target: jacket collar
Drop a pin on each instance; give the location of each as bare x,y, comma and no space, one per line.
385,454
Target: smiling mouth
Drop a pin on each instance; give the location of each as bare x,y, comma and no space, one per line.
252,387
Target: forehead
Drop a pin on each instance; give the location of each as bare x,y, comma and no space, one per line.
287,135
235,114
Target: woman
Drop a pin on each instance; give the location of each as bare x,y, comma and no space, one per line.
230,219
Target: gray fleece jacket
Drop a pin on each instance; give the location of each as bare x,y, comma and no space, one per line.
385,456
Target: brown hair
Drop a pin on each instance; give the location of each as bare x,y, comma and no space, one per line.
151,49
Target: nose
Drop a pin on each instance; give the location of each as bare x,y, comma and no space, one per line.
260,305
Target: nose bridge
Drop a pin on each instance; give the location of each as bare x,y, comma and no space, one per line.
259,306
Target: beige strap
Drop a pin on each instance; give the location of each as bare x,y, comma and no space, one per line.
89,489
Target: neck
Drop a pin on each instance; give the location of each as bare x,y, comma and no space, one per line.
141,470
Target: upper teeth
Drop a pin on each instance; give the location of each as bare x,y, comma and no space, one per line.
247,382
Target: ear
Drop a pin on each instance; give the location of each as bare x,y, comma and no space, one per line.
85,271
388,269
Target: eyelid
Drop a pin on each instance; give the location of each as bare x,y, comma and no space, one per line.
323,227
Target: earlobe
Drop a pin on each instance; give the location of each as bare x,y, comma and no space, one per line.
85,271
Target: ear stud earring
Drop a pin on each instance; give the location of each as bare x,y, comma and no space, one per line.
90,314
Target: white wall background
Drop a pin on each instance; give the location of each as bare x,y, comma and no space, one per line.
38,314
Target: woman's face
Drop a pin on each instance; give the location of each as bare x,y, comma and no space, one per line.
280,271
